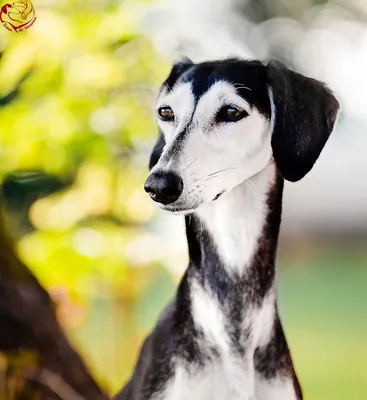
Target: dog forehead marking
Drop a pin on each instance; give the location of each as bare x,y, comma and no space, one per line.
182,97
199,112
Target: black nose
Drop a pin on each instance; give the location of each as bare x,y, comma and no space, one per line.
164,187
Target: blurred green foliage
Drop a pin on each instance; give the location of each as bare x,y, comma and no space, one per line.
77,90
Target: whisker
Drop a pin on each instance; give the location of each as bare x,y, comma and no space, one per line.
168,86
228,169
211,177
202,226
253,186
148,88
133,89
192,162
189,218
240,86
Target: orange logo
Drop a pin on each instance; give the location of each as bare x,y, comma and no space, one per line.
17,16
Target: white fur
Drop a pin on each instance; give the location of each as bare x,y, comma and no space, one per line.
203,384
215,157
209,317
230,380
235,221
264,324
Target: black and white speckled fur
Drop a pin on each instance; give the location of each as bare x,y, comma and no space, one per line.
221,336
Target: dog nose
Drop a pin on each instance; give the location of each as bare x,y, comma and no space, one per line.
164,187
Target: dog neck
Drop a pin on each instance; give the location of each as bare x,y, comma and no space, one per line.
232,247
240,228
237,222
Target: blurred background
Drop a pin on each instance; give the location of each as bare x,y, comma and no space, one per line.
77,91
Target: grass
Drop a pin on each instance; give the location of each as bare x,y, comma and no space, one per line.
324,310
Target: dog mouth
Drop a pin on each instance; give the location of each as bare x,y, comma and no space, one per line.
179,210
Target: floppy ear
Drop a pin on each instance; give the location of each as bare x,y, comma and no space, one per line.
157,150
305,113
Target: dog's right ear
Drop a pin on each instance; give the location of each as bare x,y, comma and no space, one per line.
157,150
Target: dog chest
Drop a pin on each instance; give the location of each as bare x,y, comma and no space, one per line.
230,380
232,330
216,381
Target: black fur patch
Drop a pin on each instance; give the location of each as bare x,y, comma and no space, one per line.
157,150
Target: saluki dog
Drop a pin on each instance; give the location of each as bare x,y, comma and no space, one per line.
231,131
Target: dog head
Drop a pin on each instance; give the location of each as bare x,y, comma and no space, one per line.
221,122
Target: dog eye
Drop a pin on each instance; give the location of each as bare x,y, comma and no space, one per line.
230,114
166,113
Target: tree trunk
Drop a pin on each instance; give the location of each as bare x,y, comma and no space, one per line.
28,325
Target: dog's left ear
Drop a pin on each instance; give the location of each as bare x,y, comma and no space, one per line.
305,114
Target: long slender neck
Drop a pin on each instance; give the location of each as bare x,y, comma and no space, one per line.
234,239
232,247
